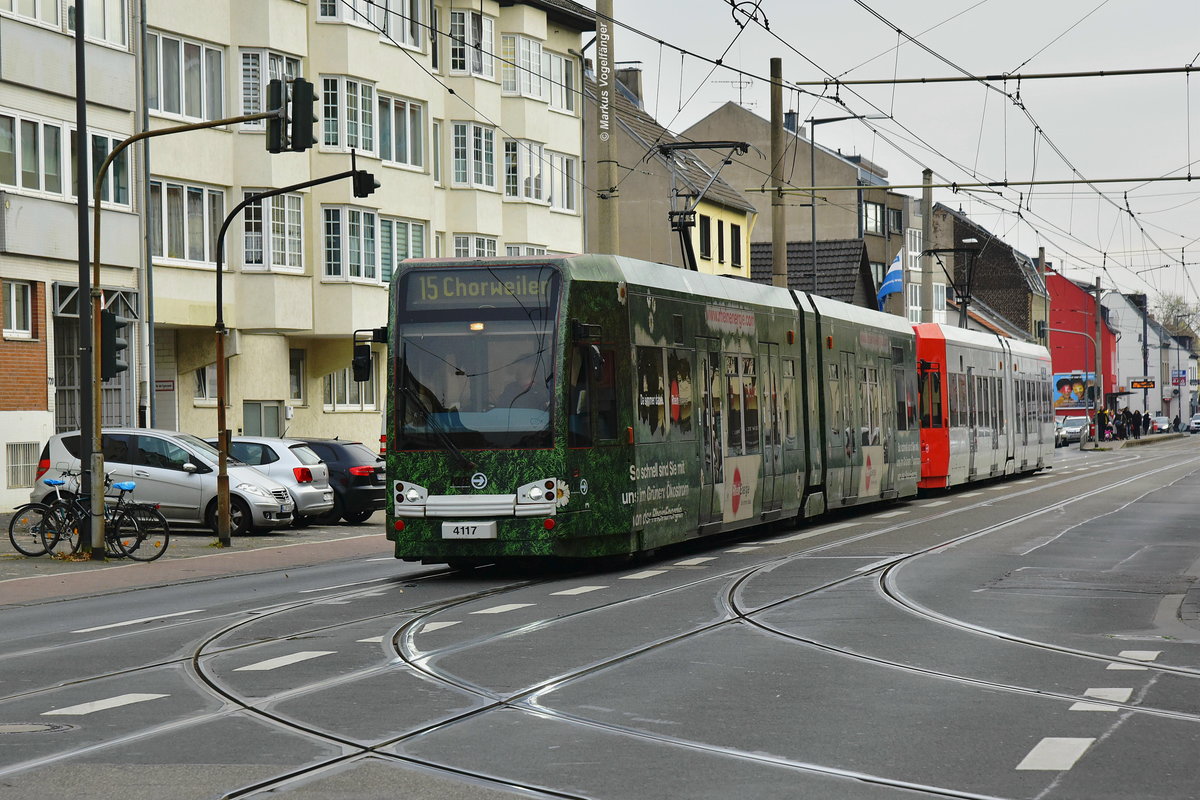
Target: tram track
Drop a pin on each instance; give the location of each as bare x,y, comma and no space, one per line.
528,699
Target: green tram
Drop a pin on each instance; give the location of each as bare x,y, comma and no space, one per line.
587,406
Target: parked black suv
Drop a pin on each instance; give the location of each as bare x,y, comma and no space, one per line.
356,475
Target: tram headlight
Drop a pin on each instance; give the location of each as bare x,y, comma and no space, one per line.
535,493
412,495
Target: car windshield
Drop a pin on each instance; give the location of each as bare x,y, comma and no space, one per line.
204,447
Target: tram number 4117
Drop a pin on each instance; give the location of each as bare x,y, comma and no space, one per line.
468,530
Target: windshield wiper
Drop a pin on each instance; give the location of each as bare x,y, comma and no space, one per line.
436,428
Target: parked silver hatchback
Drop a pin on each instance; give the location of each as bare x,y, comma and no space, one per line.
177,471
292,463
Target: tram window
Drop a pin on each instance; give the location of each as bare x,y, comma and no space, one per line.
931,400
733,394
750,409
579,400
898,386
679,375
787,409
652,404
604,398
1000,406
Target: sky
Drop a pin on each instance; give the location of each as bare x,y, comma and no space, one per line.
1135,236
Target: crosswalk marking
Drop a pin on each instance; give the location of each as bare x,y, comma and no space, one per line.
101,705
638,576
430,627
283,661
1055,754
503,608
1134,655
579,590
695,562
1116,695
138,621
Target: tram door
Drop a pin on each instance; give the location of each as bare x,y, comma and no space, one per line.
852,436
973,420
769,389
712,472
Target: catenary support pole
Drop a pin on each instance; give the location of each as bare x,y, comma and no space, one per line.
608,220
927,244
779,258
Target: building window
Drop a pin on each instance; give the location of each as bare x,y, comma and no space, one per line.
105,19
18,310
895,220
296,375
560,81
206,383
274,232
913,247
350,251
354,12
705,236
720,241
349,114
185,220
188,77
474,153
435,139
735,245
563,182
472,246
519,250
401,131
399,239
523,162
913,304
22,460
31,154
472,44
343,393
521,66
254,82
40,10
400,21
435,37
872,214
115,187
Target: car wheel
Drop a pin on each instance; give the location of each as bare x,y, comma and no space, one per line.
333,515
240,520
301,521
358,517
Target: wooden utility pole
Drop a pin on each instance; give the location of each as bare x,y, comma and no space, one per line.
779,256
1099,351
608,220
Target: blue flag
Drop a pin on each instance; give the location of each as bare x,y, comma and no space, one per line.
893,282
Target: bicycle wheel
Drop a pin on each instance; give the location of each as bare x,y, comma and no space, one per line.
31,530
119,527
70,525
153,536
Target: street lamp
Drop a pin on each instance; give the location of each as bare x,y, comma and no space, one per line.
812,171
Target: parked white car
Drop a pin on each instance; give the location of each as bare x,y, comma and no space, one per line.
177,471
292,463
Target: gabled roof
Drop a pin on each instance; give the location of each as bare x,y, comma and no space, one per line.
692,173
1028,269
565,11
987,317
843,271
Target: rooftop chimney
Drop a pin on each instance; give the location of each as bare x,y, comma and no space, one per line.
630,76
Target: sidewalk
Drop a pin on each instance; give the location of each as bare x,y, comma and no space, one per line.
192,555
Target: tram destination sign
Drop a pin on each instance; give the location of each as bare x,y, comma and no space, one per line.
435,289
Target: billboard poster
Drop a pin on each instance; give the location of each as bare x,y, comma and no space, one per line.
1071,389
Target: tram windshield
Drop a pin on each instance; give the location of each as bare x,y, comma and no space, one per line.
475,358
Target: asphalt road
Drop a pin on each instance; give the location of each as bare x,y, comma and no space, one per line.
1033,638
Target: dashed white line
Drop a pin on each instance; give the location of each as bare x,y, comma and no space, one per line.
138,621
1055,754
890,514
747,549
102,705
817,532
345,585
430,627
934,503
970,494
1134,655
638,576
998,488
578,590
1116,695
371,640
695,562
284,661
503,608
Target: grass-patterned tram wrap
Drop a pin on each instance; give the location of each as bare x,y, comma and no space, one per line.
586,406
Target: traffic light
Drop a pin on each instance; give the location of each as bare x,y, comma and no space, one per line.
304,117
276,126
114,344
364,183
1041,328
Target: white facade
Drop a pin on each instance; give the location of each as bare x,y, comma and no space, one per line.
1162,358
476,143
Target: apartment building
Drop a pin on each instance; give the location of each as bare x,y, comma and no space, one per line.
468,115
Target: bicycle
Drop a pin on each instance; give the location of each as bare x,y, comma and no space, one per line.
29,527
131,529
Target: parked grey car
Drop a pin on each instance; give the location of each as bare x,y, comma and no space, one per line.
292,463
177,471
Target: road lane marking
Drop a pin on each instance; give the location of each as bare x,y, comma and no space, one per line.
345,585
371,640
283,661
890,514
998,488
430,627
934,503
817,532
639,576
1135,655
747,549
1055,754
1115,695
878,564
102,705
503,608
695,562
138,621
578,590
970,494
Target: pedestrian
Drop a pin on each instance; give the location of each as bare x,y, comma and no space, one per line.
1146,422
1175,424
1101,425
1119,424
1137,424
